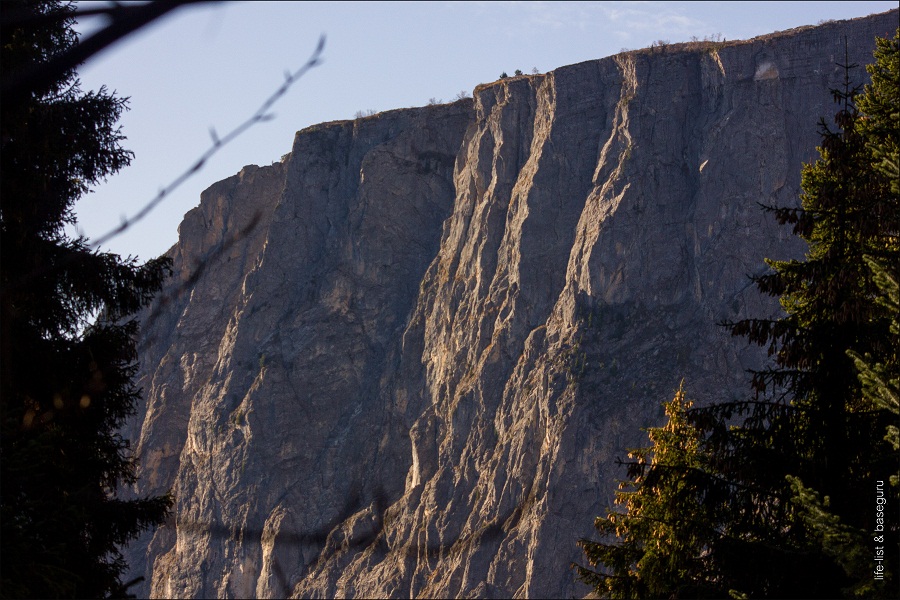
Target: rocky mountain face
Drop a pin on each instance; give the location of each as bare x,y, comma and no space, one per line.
403,361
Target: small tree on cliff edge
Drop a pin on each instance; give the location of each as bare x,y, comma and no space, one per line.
67,351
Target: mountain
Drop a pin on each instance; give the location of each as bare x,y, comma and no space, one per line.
403,361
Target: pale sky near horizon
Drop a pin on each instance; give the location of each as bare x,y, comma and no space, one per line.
213,65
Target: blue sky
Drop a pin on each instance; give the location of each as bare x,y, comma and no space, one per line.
212,66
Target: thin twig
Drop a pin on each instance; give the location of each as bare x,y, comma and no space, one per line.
261,114
124,20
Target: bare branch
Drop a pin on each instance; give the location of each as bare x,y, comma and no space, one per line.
124,20
262,114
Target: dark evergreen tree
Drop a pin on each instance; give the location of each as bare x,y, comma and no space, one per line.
879,375
811,431
67,349
786,490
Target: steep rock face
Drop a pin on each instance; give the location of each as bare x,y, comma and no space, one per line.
402,362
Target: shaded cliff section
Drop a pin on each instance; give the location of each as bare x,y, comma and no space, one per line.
403,361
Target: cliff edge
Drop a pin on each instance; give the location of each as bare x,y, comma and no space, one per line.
403,361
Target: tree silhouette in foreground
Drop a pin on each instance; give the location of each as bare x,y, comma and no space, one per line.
67,347
786,482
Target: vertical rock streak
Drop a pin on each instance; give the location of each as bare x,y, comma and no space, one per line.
414,348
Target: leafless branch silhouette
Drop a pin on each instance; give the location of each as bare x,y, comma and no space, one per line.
165,298
124,19
262,114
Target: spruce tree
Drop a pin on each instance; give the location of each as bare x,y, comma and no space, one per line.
881,380
785,491
653,544
67,346
812,431
879,374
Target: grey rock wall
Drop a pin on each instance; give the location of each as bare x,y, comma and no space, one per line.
403,361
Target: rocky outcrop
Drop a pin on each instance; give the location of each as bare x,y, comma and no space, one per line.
403,361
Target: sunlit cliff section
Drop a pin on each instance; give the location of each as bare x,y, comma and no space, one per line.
403,361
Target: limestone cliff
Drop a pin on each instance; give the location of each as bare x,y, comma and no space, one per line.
403,361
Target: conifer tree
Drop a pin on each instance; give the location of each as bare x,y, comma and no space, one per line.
881,380
661,529
879,376
812,431
786,496
67,346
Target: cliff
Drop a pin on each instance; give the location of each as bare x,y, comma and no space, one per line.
403,361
